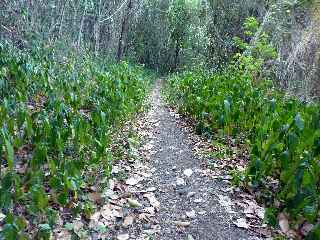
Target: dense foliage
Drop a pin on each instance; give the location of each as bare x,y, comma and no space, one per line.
282,132
57,121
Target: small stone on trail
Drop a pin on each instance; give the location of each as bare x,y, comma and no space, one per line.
191,214
198,200
182,191
181,224
241,223
191,194
123,236
190,237
151,189
180,182
188,172
128,221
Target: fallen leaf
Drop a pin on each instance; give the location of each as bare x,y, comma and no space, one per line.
115,169
112,184
123,236
202,212
241,223
96,197
63,234
260,212
226,202
144,217
128,220
181,223
134,203
283,223
191,194
133,181
107,213
77,225
150,210
110,194
198,200
152,199
306,228
151,189
95,216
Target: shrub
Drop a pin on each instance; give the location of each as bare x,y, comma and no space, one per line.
57,120
282,132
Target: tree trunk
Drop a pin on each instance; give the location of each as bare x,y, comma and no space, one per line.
176,57
124,32
81,26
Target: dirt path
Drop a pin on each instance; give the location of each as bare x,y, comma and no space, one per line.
167,193
186,193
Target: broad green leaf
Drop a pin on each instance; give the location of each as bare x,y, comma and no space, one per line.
299,121
227,106
9,153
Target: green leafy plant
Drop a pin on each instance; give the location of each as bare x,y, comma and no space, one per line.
282,132
56,123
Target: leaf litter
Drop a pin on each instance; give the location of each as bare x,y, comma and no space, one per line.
133,205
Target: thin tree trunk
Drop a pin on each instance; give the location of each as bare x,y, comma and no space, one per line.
176,57
96,29
124,32
62,19
81,26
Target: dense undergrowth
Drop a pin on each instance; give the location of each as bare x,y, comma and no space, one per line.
57,120
282,132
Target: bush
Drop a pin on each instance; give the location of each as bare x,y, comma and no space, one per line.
282,132
57,120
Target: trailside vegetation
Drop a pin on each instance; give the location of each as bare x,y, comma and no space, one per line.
57,120
282,131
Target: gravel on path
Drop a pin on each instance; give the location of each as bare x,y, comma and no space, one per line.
189,198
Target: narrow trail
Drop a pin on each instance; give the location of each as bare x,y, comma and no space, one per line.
184,199
168,192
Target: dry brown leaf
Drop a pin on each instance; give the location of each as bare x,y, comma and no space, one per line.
134,203
283,222
128,220
144,217
150,210
63,234
96,197
241,223
133,181
107,213
77,225
306,228
152,199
